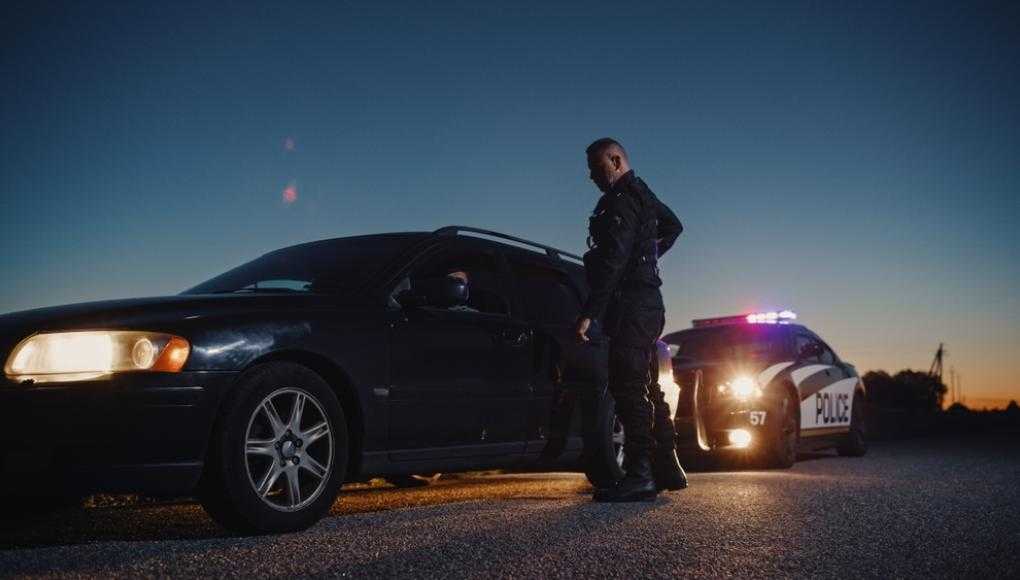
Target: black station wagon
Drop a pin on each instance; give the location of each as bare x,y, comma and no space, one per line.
263,389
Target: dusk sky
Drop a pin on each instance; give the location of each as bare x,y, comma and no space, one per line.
856,162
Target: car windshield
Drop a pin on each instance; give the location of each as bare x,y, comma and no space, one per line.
327,266
737,342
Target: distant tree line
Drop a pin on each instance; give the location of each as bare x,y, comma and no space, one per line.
909,404
906,390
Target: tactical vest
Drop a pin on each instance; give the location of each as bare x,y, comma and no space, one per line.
642,270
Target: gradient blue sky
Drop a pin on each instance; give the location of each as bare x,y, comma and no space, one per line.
857,162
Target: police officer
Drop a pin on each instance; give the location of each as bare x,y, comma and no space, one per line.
629,229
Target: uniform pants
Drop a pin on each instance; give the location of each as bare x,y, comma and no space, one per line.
640,403
634,384
628,382
663,431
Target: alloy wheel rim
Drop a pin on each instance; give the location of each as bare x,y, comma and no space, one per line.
619,439
288,460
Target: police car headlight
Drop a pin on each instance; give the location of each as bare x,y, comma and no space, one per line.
84,355
740,438
742,387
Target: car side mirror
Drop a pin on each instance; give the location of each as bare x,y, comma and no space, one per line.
442,292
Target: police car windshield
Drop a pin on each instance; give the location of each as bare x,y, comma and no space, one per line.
326,266
732,342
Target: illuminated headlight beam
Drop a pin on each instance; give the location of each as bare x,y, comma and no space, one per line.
742,387
83,355
740,438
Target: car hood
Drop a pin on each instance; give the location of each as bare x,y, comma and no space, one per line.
718,370
686,364
159,313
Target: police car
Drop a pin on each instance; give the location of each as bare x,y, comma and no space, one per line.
764,385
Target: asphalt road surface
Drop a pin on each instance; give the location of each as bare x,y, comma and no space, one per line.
909,509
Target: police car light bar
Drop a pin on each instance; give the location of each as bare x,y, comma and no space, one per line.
781,317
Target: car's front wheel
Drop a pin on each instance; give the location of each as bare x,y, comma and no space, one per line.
781,451
278,454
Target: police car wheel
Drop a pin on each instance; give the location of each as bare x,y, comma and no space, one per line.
782,451
278,453
855,444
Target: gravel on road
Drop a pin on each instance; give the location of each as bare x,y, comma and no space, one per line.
920,508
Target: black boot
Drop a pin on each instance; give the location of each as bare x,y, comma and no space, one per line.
637,485
604,490
669,475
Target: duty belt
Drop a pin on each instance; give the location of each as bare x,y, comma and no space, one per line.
633,272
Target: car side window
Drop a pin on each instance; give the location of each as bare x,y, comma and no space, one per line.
547,294
480,270
827,357
807,349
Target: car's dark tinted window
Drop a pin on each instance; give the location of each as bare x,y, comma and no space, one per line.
806,348
486,293
827,357
750,341
810,349
327,266
547,294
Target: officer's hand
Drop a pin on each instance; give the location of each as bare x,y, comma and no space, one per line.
582,329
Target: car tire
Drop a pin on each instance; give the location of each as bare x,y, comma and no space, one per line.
604,447
781,452
269,470
410,481
855,444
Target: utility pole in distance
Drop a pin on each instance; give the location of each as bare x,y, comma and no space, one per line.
936,363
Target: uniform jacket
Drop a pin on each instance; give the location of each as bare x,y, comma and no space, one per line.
628,231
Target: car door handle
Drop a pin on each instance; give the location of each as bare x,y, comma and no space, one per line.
514,338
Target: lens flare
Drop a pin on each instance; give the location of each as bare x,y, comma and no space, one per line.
743,387
290,194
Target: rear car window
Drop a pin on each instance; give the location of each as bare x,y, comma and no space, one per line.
547,294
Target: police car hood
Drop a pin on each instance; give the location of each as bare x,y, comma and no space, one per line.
718,371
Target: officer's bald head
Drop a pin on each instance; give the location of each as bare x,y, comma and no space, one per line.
606,145
607,161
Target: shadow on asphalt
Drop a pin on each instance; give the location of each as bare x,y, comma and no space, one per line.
735,462
77,526
556,522
186,520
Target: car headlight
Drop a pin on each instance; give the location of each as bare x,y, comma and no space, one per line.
84,355
742,387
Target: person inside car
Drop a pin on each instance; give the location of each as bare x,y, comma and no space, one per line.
461,277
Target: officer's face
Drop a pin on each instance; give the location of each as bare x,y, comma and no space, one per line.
601,171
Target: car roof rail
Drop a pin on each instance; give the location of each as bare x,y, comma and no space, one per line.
552,252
